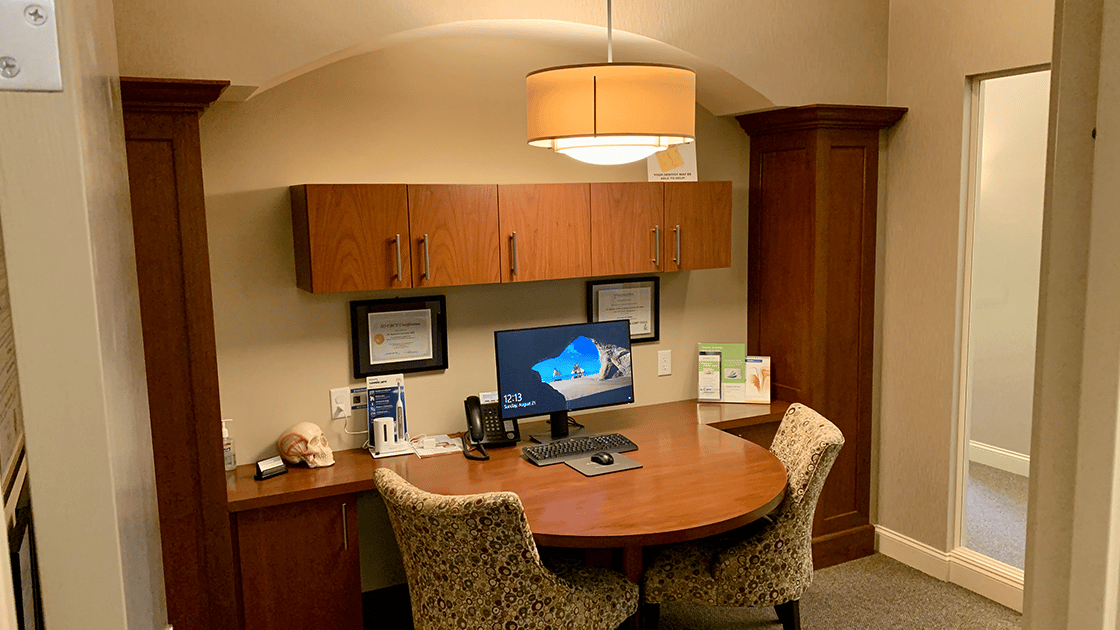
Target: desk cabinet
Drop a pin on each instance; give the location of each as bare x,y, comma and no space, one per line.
454,230
811,288
299,565
545,231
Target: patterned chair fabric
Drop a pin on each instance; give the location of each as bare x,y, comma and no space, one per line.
768,562
471,563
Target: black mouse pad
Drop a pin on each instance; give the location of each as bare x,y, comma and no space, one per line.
590,468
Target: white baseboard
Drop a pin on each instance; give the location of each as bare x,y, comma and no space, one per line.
963,567
1000,458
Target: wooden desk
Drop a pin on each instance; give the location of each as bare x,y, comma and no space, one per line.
697,480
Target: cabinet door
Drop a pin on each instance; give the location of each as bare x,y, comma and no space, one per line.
697,225
627,232
350,237
454,231
545,231
298,558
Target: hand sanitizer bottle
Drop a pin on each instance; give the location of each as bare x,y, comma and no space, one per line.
227,447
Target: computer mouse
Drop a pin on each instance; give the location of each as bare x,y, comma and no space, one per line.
603,458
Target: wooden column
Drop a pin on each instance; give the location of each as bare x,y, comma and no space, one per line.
173,269
811,288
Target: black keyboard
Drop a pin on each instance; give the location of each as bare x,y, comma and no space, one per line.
577,447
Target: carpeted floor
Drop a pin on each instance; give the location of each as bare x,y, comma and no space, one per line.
996,514
873,593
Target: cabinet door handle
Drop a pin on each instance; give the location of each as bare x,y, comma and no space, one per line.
399,270
345,533
427,260
677,234
513,238
656,245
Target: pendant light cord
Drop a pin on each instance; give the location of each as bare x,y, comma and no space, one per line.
610,51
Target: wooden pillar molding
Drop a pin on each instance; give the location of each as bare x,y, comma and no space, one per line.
811,288
176,312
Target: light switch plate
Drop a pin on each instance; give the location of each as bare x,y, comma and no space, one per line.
29,47
340,403
664,362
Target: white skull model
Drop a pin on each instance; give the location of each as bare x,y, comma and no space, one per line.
305,442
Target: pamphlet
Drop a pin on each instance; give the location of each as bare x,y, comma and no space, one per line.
728,375
757,371
709,388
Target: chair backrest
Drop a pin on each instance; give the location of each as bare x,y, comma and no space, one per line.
807,445
459,551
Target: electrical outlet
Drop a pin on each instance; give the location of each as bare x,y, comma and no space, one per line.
340,403
664,362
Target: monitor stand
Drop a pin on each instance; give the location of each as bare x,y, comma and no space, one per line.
558,429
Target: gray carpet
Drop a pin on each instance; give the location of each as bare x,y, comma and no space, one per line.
873,593
996,514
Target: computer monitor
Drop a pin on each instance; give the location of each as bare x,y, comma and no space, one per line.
556,369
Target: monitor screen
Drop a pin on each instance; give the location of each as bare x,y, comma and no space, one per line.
557,369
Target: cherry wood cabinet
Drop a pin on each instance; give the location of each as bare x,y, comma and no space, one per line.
454,231
177,317
368,237
639,227
811,289
300,565
545,231
697,232
351,237
627,221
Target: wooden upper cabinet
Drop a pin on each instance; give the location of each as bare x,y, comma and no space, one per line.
351,237
454,232
545,231
627,228
697,230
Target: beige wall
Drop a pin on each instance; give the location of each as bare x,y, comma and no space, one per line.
68,241
420,112
1006,252
933,47
793,51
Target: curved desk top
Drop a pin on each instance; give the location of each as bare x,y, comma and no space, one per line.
696,479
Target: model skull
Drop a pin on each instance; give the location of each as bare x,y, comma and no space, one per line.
305,442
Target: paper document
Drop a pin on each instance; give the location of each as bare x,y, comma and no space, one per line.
443,444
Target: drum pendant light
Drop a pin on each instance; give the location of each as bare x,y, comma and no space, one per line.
611,113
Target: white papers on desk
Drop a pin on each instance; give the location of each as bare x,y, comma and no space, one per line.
443,444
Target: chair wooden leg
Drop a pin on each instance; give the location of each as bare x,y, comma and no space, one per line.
650,615
789,614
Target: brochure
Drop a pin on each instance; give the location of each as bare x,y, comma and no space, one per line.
728,375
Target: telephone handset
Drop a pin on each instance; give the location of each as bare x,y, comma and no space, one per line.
485,427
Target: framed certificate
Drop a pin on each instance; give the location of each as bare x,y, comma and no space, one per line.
398,335
635,299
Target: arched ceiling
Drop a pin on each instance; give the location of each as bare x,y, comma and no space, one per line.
717,90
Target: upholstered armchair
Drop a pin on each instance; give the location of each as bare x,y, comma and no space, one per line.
770,561
471,562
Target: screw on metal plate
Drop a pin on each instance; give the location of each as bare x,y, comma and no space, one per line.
35,14
9,67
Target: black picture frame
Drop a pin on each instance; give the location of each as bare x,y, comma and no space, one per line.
363,338
596,287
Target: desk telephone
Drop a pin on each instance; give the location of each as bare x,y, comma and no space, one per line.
485,427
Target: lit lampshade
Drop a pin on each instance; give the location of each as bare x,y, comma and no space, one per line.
611,113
